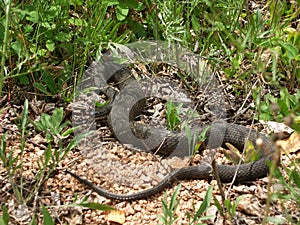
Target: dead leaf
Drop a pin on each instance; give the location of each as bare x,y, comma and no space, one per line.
249,205
176,162
232,154
117,216
275,127
292,144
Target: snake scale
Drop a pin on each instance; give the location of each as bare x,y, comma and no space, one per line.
129,104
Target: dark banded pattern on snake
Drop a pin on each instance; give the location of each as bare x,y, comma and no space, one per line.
218,134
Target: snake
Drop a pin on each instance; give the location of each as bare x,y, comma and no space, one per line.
126,105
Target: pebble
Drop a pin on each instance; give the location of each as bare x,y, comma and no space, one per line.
137,208
145,178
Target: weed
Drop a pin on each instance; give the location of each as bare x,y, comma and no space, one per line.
289,191
280,108
55,131
169,209
47,219
4,219
197,216
173,115
229,207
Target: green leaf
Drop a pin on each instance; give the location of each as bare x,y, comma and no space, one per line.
23,79
284,109
111,2
33,221
97,206
228,205
17,46
56,119
4,220
41,88
174,201
202,136
295,177
195,22
219,206
46,121
133,4
77,22
121,13
49,81
3,149
235,204
74,142
47,219
251,154
205,204
50,45
69,131
62,37
98,104
47,155
24,118
172,115
138,29
290,50
32,16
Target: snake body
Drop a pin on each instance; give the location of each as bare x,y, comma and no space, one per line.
217,135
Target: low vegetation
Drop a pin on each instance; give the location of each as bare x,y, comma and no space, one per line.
47,45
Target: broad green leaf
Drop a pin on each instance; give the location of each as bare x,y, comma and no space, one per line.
133,4
41,88
121,13
69,131
17,46
32,16
202,136
23,79
47,219
56,119
284,109
62,37
251,154
46,121
172,115
50,45
49,81
74,142
290,50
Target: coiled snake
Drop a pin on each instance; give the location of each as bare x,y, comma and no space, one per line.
217,135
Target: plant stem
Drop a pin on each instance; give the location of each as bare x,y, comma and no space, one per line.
5,41
269,194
